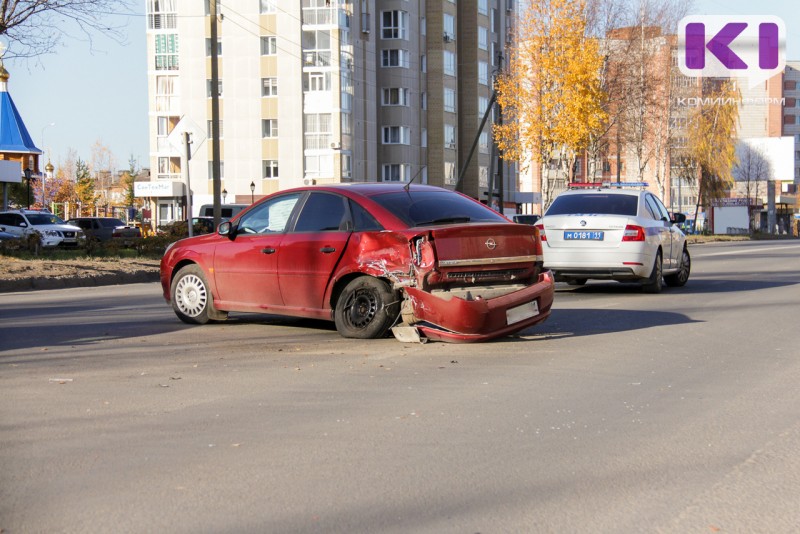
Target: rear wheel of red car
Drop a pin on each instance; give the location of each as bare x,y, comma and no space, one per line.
366,309
191,297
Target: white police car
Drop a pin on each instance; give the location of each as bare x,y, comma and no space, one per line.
52,229
613,231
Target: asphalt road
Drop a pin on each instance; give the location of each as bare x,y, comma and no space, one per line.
624,412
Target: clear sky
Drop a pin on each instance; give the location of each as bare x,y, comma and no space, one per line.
100,93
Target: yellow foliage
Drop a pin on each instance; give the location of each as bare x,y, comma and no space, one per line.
712,133
551,96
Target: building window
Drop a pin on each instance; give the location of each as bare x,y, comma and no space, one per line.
483,38
269,128
394,25
483,103
162,14
423,141
347,124
423,63
483,73
449,63
395,58
211,170
396,135
269,86
269,45
423,100
209,88
483,143
208,47
789,119
167,97
318,129
166,56
395,96
396,172
270,169
449,136
483,176
347,166
267,6
449,99
210,133
449,173
449,25
317,166
316,48
169,168
483,7
316,81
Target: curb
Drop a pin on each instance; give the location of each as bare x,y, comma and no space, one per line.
110,279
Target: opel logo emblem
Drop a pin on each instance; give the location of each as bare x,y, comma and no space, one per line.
583,223
491,244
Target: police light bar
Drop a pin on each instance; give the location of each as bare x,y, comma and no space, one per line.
606,185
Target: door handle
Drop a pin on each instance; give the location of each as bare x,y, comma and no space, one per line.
327,250
268,250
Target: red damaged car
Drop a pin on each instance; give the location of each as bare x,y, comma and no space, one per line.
370,257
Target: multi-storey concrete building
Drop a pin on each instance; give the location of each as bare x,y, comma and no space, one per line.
321,91
791,111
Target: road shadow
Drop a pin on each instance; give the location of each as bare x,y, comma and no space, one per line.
693,286
589,322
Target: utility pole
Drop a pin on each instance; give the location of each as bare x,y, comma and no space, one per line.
215,152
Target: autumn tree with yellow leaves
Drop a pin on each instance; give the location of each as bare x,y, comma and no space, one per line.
712,139
551,96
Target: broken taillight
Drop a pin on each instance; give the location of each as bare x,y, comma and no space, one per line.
540,227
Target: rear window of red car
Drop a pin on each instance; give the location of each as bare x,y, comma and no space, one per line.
422,208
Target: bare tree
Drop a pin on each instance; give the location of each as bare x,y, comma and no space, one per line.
751,168
35,27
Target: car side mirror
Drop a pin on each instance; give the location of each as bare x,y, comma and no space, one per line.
226,229
678,218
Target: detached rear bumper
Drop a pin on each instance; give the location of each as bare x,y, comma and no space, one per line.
462,321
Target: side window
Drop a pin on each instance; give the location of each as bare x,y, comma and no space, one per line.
662,209
269,217
322,212
652,209
362,220
5,219
655,208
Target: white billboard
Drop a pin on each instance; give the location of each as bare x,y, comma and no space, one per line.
779,152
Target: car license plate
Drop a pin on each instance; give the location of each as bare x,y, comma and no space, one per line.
583,236
520,313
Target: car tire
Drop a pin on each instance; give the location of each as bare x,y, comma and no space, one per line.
654,284
680,278
577,281
191,297
366,309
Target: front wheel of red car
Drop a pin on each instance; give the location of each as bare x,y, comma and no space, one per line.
191,297
366,309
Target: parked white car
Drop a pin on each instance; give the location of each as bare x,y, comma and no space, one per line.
614,231
53,230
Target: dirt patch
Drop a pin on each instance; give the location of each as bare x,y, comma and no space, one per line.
21,275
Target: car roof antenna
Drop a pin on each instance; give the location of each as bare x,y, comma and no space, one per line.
408,183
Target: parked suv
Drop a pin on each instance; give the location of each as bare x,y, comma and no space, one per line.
105,228
53,230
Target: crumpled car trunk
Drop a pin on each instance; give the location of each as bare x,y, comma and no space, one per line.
466,283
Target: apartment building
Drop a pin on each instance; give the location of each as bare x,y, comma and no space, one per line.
320,91
791,112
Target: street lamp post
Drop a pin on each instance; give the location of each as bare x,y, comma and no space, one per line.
41,167
252,191
28,179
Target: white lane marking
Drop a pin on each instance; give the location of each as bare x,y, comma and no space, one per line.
749,250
